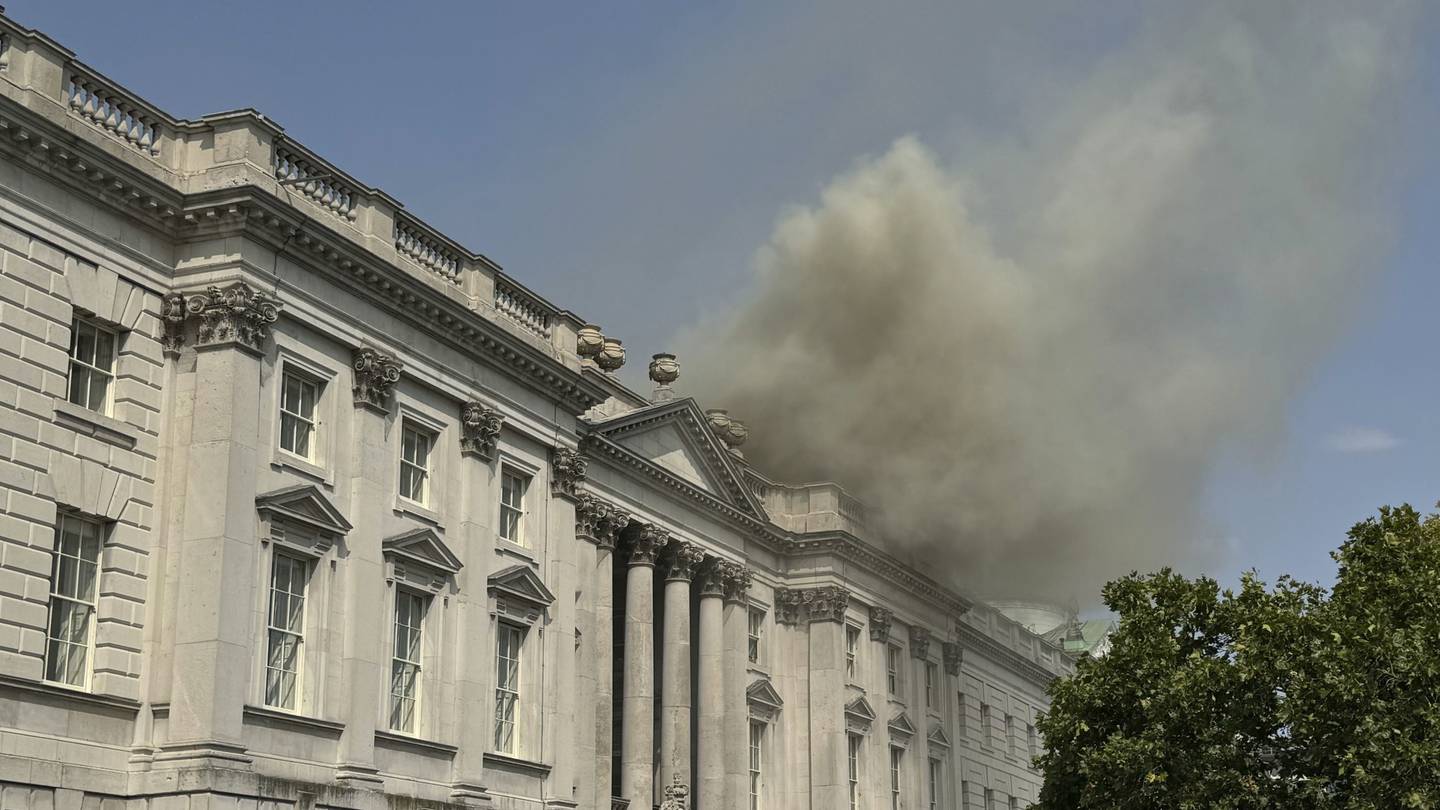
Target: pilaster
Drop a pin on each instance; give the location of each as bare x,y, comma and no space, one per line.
737,585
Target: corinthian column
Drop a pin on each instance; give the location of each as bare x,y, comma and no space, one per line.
737,714
681,558
711,677
599,523
637,733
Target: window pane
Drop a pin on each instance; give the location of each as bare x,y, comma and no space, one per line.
99,387
104,350
84,341
79,385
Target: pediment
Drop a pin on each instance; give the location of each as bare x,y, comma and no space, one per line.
676,438
520,582
860,709
423,547
762,694
938,736
306,505
901,726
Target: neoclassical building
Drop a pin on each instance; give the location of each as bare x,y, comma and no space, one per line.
303,504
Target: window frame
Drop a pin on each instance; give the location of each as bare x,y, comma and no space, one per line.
756,749
288,371
894,670
306,567
509,472
897,764
755,617
408,426
935,773
77,323
932,676
53,643
519,633
987,724
854,764
852,652
415,599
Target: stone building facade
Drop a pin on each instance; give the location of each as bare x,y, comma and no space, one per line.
305,505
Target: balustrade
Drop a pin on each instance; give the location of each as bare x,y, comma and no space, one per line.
523,308
113,112
412,242
314,182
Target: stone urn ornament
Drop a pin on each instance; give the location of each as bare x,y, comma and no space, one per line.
611,356
718,419
664,369
735,435
589,341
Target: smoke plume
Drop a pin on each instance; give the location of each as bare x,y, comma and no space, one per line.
1029,353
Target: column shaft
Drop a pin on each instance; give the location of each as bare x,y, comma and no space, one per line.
637,736
737,713
711,675
604,675
675,693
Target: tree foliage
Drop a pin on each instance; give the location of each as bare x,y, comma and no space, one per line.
1256,697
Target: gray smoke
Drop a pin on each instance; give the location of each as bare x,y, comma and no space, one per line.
1029,354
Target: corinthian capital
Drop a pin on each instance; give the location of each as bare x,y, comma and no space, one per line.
736,580
954,657
710,577
880,623
919,642
826,603
590,514
681,559
567,472
647,543
479,429
375,376
237,315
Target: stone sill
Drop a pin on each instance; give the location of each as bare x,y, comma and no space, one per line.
87,422
430,747
309,469
516,765
418,511
70,693
505,548
292,721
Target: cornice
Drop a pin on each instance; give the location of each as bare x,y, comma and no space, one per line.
851,548
977,640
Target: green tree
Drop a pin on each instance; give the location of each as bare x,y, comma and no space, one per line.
1283,697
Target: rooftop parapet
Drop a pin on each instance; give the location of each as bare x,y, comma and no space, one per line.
244,148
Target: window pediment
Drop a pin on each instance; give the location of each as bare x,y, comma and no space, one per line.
901,728
306,506
518,593
765,702
938,737
859,715
423,550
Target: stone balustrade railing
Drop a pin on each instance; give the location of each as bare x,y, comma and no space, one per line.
316,181
413,241
523,307
121,115
852,509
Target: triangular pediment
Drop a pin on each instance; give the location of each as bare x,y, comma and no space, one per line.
762,693
676,438
521,582
424,547
306,505
860,709
900,725
938,736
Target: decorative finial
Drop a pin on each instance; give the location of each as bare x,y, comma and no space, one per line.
611,356
589,341
664,369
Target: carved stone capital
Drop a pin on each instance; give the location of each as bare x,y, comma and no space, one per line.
647,543
590,514
919,642
710,577
681,560
608,528
954,657
479,430
737,582
826,603
375,376
567,472
237,315
880,619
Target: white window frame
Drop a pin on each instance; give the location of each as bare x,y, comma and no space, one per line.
897,764
310,422
90,368
936,776
511,692
757,762
425,471
514,532
296,634
854,762
852,652
412,665
932,676
894,673
755,634
59,650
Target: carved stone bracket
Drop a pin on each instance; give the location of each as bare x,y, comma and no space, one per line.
375,376
567,472
954,657
880,619
919,642
736,581
647,543
710,577
681,560
479,430
237,315
826,603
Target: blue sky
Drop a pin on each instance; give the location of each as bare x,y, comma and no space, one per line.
628,160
